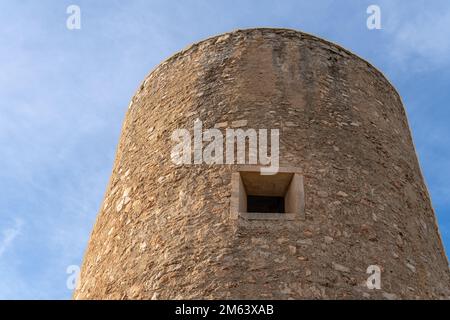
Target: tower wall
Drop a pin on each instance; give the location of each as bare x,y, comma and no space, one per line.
165,231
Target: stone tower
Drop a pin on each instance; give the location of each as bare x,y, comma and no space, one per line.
349,193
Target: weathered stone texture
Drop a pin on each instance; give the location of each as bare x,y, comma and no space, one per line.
165,232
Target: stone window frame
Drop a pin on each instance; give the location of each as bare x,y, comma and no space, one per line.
294,194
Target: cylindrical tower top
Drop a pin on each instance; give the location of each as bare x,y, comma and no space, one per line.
189,213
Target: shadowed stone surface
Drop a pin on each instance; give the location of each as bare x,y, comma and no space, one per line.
165,231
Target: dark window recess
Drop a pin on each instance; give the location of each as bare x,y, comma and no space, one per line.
265,204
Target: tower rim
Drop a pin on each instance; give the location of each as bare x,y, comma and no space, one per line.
213,40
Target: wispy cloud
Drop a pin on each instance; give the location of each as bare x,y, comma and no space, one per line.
417,38
9,235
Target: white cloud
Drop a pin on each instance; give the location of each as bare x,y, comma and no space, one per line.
418,38
9,234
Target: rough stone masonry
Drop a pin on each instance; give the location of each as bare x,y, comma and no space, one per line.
165,231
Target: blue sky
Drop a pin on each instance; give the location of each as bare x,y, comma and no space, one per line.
64,95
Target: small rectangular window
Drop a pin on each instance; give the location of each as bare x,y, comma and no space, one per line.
265,204
267,197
